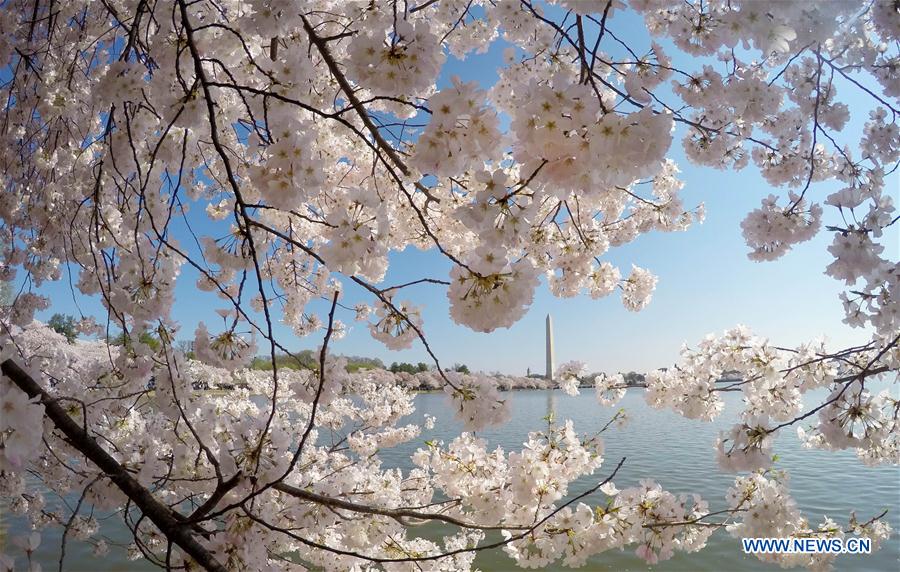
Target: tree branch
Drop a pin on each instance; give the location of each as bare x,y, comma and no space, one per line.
167,520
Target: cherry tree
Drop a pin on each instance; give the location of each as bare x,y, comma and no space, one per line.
281,151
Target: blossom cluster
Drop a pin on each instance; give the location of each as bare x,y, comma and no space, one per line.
358,416
272,155
768,511
773,382
21,425
492,291
400,59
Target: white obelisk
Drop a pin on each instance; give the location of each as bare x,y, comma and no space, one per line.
549,348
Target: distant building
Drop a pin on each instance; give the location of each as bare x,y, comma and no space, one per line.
550,362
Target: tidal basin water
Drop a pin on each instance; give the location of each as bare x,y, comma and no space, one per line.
677,452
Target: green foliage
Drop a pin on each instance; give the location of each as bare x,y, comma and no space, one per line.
305,359
65,325
6,293
360,362
144,337
408,367
187,348
309,359
633,378
461,368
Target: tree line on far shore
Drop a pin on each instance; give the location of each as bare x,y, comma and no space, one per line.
309,360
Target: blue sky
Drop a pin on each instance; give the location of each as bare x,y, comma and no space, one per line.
706,283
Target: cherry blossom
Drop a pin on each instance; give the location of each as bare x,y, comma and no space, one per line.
265,158
569,375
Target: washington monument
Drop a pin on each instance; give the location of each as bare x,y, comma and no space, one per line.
549,348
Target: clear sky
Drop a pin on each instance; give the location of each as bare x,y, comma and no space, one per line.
706,283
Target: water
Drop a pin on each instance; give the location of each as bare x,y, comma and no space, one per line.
677,452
